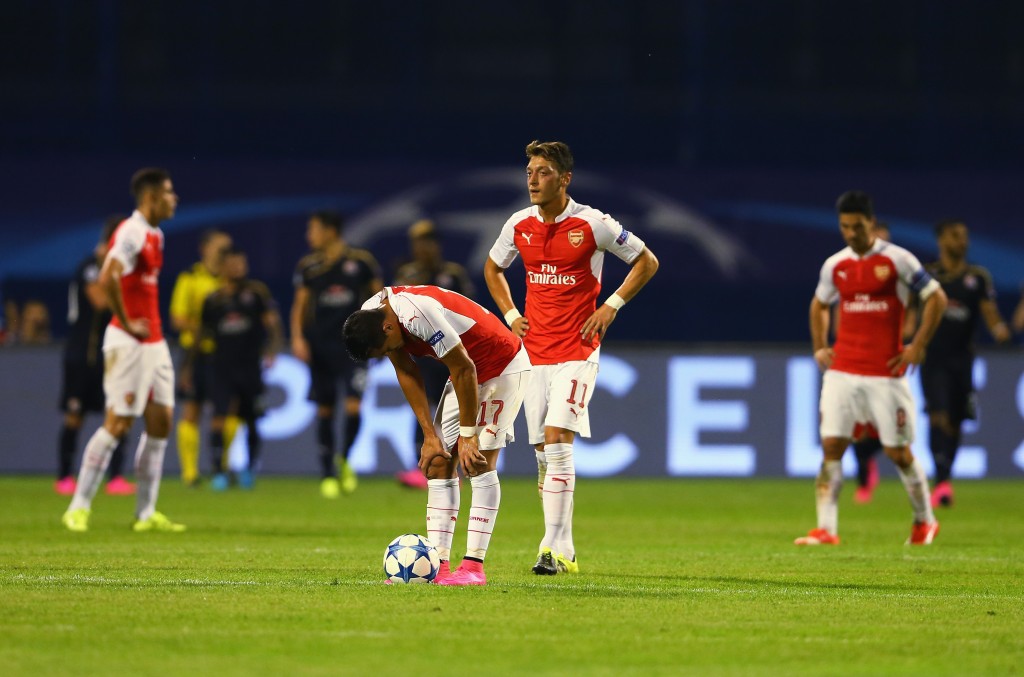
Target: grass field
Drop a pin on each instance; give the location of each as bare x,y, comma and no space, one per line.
695,577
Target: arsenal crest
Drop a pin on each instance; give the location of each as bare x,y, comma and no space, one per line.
882,272
575,237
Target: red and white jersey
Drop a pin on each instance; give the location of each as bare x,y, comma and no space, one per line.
563,263
140,249
435,320
872,291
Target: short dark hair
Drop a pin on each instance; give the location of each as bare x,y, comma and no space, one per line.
209,234
855,202
945,224
110,224
363,332
146,179
328,217
555,151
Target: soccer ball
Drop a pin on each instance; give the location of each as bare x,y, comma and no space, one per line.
411,559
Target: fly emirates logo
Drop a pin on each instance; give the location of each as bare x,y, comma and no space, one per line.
863,303
549,275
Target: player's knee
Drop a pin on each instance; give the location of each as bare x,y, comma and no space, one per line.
440,468
118,426
901,456
554,435
834,447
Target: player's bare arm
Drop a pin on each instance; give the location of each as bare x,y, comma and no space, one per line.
497,285
297,320
931,315
96,295
1018,316
463,372
994,321
275,338
819,322
642,270
411,381
110,280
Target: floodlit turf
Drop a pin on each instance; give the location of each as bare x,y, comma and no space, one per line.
695,576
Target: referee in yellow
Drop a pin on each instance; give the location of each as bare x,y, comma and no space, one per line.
190,291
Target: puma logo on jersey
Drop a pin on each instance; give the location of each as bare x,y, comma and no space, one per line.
841,273
526,236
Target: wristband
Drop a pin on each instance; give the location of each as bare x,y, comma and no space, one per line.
511,316
615,301
467,431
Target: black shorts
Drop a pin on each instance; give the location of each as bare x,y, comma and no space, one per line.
948,386
327,368
202,373
83,388
237,392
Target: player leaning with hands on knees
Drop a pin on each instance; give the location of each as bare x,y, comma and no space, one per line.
562,244
138,378
489,370
864,373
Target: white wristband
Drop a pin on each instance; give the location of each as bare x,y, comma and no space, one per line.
615,301
511,316
467,431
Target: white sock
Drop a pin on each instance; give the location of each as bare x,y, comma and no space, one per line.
442,513
827,486
559,484
483,513
542,470
94,464
916,484
566,547
149,468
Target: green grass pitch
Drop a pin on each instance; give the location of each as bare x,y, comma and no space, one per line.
678,577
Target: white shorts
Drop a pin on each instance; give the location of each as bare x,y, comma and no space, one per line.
500,399
558,396
135,373
884,402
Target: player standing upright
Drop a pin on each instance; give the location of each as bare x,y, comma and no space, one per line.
190,290
242,319
88,315
331,284
947,370
562,244
489,371
138,378
864,378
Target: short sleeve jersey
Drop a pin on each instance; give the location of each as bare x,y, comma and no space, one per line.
235,321
190,291
872,291
140,249
436,320
87,323
954,337
336,290
563,262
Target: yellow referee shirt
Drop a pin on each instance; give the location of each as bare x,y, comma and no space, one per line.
190,291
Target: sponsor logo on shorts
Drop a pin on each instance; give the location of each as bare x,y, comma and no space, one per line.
436,338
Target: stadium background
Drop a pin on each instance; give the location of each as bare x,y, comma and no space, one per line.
721,132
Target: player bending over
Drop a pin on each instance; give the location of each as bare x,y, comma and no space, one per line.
489,374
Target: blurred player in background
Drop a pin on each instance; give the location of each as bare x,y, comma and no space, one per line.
947,371
243,322
88,315
1018,314
864,379
489,371
138,376
429,267
866,444
190,290
562,244
330,284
